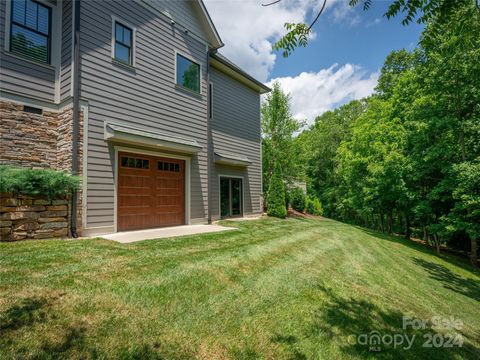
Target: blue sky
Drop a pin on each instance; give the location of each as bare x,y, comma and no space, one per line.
341,61
365,38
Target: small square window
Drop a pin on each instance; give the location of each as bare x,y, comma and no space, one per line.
177,167
124,161
123,43
145,164
188,73
138,163
172,167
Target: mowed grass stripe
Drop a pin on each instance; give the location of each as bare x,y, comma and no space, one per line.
273,289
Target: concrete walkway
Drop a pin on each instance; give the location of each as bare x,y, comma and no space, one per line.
139,235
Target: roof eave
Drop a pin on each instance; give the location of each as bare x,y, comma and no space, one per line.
238,73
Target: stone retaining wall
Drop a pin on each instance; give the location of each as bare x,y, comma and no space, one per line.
39,141
25,217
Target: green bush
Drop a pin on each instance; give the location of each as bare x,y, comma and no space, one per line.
314,206
297,199
288,198
37,182
276,196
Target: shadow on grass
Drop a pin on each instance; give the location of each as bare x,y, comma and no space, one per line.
450,258
363,329
27,313
450,280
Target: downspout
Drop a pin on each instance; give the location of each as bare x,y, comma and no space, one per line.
209,144
76,113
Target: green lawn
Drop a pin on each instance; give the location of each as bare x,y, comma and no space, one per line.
274,289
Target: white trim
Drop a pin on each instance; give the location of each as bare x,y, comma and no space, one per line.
219,195
187,160
134,36
188,57
84,109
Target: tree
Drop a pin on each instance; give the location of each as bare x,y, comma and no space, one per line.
278,129
319,145
396,64
298,199
276,195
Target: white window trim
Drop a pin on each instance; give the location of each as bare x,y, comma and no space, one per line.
188,57
134,40
220,197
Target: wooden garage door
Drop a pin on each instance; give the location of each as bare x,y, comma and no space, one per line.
151,192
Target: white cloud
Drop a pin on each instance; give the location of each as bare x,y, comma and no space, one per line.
249,30
344,13
313,93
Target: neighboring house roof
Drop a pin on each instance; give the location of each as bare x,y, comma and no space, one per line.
222,63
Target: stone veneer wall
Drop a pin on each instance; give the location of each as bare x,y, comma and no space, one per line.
26,217
39,141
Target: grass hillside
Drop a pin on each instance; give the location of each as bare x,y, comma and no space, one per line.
274,289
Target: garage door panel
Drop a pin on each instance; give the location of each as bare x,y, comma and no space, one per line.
134,201
151,192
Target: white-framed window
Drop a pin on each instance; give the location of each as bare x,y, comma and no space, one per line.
187,73
123,42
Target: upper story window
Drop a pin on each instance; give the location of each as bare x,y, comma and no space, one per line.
30,33
188,73
123,43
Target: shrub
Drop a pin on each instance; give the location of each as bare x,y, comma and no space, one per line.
297,199
314,206
276,196
37,182
288,197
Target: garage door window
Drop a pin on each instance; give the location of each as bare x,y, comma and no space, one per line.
136,163
168,166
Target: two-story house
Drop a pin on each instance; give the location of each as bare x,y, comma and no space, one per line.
163,130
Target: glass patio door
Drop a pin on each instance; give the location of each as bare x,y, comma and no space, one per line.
230,197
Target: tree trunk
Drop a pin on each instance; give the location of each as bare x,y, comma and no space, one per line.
382,227
437,243
473,253
390,222
407,227
425,234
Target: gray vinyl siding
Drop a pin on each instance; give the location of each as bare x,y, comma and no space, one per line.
66,52
183,12
236,130
144,96
21,76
